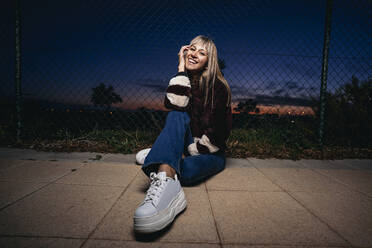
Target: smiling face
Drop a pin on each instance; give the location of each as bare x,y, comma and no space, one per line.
196,57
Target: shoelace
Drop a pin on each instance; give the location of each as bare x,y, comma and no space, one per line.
156,187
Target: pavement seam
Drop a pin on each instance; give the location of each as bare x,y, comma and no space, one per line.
37,190
168,241
105,215
158,241
348,164
342,183
214,218
96,185
17,165
288,245
245,190
320,219
37,236
301,204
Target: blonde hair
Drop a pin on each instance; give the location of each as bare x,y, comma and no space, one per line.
212,71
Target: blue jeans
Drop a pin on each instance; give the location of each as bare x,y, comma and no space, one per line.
172,142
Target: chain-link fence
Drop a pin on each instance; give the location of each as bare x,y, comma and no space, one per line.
271,53
349,99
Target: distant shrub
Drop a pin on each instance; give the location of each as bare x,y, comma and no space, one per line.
348,116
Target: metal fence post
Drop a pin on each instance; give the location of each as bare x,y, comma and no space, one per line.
18,88
323,87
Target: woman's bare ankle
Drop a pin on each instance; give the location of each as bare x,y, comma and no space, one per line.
169,171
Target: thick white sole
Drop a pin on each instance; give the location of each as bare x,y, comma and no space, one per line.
162,219
141,156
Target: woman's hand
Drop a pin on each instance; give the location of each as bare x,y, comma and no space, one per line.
181,58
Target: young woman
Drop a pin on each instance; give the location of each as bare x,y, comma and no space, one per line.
191,147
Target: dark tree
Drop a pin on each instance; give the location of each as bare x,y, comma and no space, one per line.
247,107
348,114
104,97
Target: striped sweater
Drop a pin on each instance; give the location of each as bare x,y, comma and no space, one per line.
210,127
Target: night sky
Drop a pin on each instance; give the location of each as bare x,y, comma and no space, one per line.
272,49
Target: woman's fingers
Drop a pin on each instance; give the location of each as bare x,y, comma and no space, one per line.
182,50
181,57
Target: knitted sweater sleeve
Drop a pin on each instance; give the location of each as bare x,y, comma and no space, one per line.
217,125
178,93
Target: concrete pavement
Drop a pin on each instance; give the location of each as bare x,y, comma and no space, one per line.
85,200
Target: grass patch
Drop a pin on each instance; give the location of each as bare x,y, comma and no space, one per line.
288,142
285,144
103,141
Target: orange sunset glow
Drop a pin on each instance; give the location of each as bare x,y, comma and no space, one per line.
157,104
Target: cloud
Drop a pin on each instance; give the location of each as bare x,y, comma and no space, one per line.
156,88
241,90
279,91
243,99
279,100
307,69
282,100
289,88
271,85
291,85
157,85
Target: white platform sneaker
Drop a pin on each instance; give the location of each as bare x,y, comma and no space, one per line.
141,155
164,200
